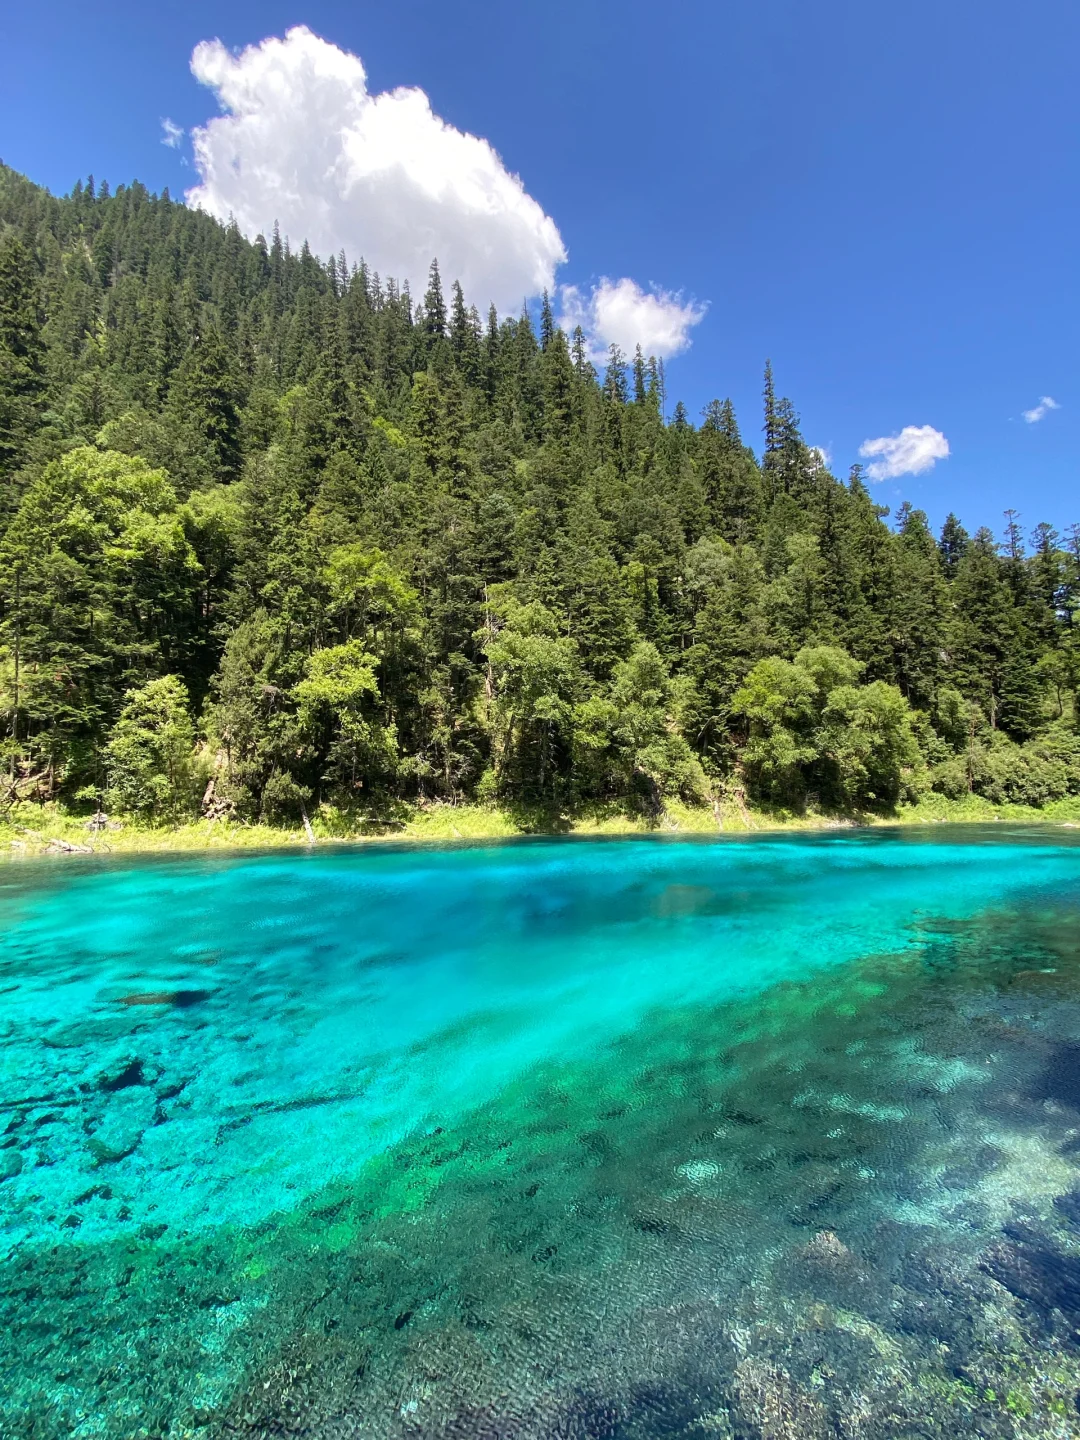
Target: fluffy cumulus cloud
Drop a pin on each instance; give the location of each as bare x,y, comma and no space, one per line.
917,448
171,133
1036,413
302,141
620,312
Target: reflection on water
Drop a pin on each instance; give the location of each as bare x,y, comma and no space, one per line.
756,1139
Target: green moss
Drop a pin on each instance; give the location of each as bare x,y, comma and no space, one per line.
1017,1403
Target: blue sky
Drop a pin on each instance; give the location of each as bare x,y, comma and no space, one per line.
882,199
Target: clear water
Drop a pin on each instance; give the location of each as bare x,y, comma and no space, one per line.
744,1138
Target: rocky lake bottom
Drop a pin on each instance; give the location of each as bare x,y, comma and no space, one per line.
751,1138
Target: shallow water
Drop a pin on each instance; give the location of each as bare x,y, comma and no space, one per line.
751,1138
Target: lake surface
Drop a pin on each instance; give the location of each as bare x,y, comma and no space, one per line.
748,1138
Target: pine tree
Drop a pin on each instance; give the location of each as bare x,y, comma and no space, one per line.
991,647
22,357
771,427
434,306
580,353
952,546
1013,549
639,376
920,608
615,387
730,635
1047,583
547,323
492,352
204,402
868,573
459,322
731,480
558,384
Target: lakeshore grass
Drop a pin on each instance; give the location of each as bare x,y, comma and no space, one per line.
31,829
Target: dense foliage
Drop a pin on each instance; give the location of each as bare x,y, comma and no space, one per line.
275,533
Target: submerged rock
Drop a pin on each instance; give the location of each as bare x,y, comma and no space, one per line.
122,1075
827,1250
178,999
774,1407
1042,1276
1059,1079
127,1116
11,1164
1068,1206
826,1269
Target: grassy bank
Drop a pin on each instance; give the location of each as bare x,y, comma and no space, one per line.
36,830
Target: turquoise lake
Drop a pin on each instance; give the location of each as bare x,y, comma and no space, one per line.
752,1138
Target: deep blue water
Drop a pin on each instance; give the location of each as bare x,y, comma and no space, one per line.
741,1137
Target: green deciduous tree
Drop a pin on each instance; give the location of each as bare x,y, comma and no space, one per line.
814,731
638,728
149,755
535,681
107,584
338,710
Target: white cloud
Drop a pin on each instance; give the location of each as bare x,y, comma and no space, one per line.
1036,413
620,312
821,456
172,134
914,450
302,141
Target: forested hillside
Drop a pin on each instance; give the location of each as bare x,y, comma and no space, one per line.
272,522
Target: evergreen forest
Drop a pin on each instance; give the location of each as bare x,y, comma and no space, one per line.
279,537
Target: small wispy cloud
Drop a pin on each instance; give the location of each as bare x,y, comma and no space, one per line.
172,134
1036,413
916,449
620,312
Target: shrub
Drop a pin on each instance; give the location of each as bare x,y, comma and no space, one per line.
1043,769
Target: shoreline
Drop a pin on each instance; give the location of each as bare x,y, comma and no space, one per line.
34,831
